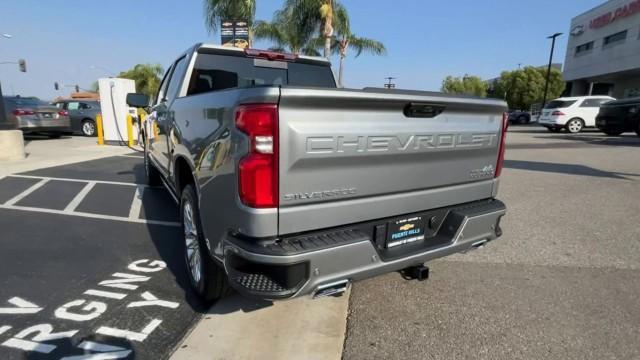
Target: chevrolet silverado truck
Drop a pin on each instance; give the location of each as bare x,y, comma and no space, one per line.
290,186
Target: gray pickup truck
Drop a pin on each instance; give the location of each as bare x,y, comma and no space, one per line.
289,186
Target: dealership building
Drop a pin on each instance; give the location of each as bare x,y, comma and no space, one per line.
603,52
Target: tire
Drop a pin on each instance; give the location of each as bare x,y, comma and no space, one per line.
522,120
612,132
574,125
207,279
150,172
88,127
54,135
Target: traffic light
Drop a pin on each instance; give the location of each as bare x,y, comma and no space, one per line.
77,88
22,65
56,85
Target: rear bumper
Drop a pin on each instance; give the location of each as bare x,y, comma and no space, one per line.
299,265
62,124
552,122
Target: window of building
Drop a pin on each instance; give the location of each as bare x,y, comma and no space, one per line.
615,38
580,49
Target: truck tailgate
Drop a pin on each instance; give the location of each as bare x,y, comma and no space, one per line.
353,155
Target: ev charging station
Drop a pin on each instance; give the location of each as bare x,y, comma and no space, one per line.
113,94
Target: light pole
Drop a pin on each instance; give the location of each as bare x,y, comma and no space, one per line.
389,85
3,116
546,83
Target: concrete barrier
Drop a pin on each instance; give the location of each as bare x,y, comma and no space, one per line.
11,145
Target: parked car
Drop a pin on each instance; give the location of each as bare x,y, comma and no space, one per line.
619,116
32,115
519,117
82,114
289,186
572,113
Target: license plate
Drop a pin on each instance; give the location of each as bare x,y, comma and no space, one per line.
47,115
405,231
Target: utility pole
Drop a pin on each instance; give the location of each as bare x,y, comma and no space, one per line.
390,85
546,83
3,116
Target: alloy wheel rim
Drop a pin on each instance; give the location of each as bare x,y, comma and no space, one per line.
88,128
575,126
192,247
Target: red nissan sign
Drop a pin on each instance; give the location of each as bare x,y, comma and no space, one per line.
623,11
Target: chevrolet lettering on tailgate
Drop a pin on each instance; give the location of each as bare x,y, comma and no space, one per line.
410,143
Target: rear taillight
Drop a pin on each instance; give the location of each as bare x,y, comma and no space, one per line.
502,145
258,170
63,113
557,113
21,112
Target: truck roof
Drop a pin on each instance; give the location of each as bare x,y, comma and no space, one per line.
239,50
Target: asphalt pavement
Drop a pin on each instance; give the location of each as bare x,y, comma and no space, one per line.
89,264
563,282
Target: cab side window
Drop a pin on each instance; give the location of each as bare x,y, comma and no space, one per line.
176,78
162,89
593,102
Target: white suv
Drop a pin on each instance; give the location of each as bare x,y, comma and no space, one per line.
572,113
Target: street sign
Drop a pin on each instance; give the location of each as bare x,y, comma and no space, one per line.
234,33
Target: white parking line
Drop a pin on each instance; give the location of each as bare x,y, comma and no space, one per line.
79,180
131,156
23,194
79,197
90,215
136,204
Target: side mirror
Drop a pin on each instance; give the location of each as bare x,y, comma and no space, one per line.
137,100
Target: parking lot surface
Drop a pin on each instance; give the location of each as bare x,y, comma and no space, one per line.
562,283
90,265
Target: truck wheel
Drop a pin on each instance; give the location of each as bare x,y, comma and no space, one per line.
575,125
150,172
206,278
522,120
612,132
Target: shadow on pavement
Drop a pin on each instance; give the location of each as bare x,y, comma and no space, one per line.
570,169
170,246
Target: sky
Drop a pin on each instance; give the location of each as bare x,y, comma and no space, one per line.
76,42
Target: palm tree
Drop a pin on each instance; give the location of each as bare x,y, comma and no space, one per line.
346,40
318,14
217,10
146,76
288,31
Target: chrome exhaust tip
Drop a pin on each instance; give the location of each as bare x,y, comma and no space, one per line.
475,246
335,288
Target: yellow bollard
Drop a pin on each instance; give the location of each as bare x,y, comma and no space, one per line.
130,129
99,129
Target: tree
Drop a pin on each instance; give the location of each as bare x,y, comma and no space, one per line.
217,10
346,40
288,32
525,87
318,14
146,76
468,85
